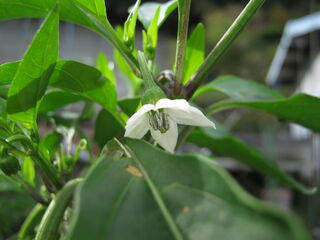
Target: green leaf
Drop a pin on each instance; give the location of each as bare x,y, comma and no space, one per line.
195,52
7,72
156,195
239,89
129,105
49,144
220,141
56,99
2,106
31,79
84,80
130,26
80,79
147,11
28,170
134,81
152,32
96,6
104,66
87,13
302,109
107,127
23,9
103,26
150,38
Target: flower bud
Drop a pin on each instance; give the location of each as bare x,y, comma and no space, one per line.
9,165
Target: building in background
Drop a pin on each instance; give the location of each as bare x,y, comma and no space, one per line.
296,69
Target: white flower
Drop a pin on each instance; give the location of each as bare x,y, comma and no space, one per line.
162,118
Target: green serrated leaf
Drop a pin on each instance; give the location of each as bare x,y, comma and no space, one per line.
195,52
220,141
147,11
157,195
32,77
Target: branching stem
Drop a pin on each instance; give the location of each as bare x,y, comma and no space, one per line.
184,13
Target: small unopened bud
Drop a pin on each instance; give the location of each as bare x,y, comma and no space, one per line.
9,165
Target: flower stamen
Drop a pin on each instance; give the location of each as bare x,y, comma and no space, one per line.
159,120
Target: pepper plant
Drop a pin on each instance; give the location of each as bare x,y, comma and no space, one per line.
136,185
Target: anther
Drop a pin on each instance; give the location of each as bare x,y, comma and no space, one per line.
159,121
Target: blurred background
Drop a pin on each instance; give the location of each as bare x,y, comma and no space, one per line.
279,48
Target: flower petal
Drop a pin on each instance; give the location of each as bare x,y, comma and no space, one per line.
192,116
167,140
138,124
176,104
181,112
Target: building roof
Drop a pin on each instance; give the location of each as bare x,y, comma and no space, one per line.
300,40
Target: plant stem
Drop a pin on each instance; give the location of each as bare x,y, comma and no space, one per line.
38,198
21,138
49,175
184,12
225,42
31,221
12,148
146,74
49,226
104,27
152,92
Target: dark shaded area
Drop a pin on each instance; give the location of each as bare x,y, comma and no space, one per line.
15,205
129,105
106,128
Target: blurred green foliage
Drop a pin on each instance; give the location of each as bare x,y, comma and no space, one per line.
15,206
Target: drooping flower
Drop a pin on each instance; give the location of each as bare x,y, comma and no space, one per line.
161,120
